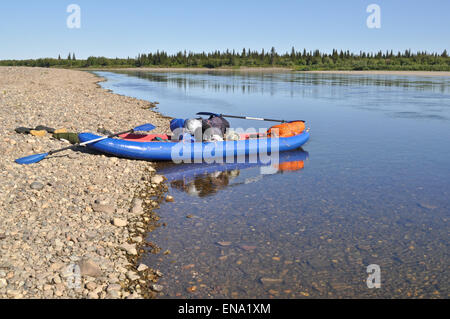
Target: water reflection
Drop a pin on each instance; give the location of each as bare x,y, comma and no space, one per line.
250,83
204,180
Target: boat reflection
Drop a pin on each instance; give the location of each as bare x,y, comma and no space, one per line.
204,180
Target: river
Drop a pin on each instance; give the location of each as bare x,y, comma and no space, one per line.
371,187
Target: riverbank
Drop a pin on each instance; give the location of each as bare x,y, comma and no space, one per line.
242,69
410,73
78,211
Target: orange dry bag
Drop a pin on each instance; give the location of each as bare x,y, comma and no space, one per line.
286,129
291,166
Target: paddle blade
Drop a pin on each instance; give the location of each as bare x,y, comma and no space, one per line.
31,159
145,128
207,113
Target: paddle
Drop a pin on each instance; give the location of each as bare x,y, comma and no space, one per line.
243,117
39,157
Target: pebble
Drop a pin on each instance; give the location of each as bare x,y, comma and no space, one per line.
156,287
91,286
3,283
157,179
101,208
169,199
192,289
129,248
142,268
113,287
89,268
120,222
113,294
224,243
37,186
132,275
93,295
271,281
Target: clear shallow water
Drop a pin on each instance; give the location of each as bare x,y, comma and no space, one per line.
370,187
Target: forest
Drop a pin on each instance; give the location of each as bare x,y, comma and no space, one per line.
297,60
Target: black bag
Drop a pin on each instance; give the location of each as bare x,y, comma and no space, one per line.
218,123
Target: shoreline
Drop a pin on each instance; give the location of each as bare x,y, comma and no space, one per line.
410,73
167,69
277,70
77,217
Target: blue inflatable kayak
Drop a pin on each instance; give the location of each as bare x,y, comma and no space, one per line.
185,151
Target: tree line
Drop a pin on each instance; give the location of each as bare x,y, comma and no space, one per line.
297,60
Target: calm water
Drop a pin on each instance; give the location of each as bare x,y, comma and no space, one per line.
372,186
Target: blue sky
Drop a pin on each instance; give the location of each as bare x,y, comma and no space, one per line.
32,29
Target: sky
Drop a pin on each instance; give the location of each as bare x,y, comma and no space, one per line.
34,29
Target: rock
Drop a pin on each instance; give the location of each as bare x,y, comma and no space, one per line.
271,281
56,266
426,205
12,293
91,234
102,208
224,243
113,287
136,208
93,295
134,295
248,248
132,275
169,199
91,286
156,288
159,273
119,222
142,267
157,179
129,248
89,268
137,239
3,283
192,289
113,294
37,186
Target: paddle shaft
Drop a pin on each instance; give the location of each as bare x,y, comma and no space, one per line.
253,118
89,142
244,117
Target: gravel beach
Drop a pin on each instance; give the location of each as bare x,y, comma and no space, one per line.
72,225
